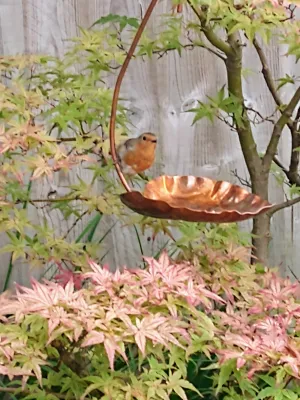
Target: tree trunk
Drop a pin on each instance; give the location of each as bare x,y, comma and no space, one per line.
260,243
258,173
261,224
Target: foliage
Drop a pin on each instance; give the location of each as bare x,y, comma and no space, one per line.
54,120
148,334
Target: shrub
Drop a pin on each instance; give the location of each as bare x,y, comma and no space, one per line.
146,334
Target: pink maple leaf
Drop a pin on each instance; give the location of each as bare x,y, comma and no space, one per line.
147,328
92,338
66,276
37,298
292,362
229,355
111,347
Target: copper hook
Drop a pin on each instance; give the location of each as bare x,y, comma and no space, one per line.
122,72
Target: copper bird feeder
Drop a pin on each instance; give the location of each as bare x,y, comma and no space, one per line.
187,198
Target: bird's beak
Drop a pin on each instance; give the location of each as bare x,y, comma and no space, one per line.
154,141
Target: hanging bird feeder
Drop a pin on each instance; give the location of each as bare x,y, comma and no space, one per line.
187,198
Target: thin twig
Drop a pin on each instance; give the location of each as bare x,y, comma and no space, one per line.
263,119
293,273
74,224
47,200
73,139
280,165
242,181
228,122
189,46
267,73
161,53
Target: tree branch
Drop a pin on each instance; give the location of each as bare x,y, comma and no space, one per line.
292,173
72,139
267,73
294,163
202,45
234,77
61,199
209,33
269,79
278,128
283,205
293,178
280,165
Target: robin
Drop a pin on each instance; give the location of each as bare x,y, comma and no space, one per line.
137,155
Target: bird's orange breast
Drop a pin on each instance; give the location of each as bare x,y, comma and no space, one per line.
141,158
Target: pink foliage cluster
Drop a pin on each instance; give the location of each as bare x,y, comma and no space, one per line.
255,318
264,332
147,307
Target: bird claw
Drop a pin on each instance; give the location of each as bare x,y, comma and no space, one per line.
177,9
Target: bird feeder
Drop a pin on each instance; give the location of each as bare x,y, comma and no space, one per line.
187,198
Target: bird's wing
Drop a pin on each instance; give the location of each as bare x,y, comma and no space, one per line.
118,156
130,144
121,150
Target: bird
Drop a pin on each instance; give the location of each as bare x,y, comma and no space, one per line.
138,154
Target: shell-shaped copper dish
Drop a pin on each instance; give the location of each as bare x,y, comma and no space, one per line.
196,199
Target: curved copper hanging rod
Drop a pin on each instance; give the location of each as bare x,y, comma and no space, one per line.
122,72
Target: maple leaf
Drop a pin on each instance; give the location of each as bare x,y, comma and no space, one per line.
147,328
277,291
111,346
92,338
11,372
66,275
39,297
292,362
40,167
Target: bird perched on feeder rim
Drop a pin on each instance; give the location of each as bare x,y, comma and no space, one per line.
137,155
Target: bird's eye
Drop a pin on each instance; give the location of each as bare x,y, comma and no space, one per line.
144,138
